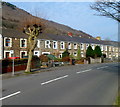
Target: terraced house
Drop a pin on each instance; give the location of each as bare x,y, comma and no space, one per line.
13,41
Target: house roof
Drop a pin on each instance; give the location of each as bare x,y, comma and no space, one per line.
18,34
13,33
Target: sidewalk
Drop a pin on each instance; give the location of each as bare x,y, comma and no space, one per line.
20,73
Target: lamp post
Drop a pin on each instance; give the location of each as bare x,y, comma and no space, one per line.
13,71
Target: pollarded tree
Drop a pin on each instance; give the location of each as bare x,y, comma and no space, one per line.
97,51
32,28
89,52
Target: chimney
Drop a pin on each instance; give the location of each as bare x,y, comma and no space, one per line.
98,38
70,34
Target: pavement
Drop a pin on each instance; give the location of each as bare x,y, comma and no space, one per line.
85,84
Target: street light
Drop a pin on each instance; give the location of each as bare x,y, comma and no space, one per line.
13,71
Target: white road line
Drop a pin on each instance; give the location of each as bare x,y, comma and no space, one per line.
10,95
54,80
84,71
102,67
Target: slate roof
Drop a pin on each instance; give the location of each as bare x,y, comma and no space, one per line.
13,33
19,34
69,39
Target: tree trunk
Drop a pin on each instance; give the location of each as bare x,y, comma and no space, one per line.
28,69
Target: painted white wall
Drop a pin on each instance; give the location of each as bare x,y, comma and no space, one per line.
1,47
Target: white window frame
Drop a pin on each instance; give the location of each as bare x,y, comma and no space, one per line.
87,45
69,45
38,53
5,42
74,53
56,44
11,52
21,43
110,48
47,45
45,53
38,43
105,47
82,46
62,45
101,46
60,55
82,54
93,46
75,45
21,53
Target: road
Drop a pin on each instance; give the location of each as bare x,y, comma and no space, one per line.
89,84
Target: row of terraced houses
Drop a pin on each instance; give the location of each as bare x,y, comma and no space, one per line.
12,41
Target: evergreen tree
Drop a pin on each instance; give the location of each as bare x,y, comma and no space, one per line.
89,52
65,53
97,51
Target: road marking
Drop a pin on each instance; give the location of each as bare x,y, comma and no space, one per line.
84,71
102,67
10,95
54,80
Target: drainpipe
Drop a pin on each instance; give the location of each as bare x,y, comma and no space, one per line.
1,47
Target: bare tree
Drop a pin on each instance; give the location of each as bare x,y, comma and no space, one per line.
32,27
108,8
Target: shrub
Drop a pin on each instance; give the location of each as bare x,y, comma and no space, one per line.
8,62
65,53
43,58
66,59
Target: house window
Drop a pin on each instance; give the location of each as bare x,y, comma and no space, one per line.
69,45
54,44
23,54
8,42
23,43
37,53
105,48
60,56
101,47
62,45
47,44
75,53
110,48
8,53
82,46
87,46
82,54
92,46
45,53
38,43
75,46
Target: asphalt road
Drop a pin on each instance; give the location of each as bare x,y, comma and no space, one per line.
90,84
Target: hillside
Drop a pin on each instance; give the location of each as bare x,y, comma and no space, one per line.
13,16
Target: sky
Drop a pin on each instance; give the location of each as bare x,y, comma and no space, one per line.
76,15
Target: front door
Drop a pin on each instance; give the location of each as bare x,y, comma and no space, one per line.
7,54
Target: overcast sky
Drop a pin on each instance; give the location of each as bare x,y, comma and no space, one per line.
77,15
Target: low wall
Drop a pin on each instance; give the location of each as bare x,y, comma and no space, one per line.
96,60
16,68
19,67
